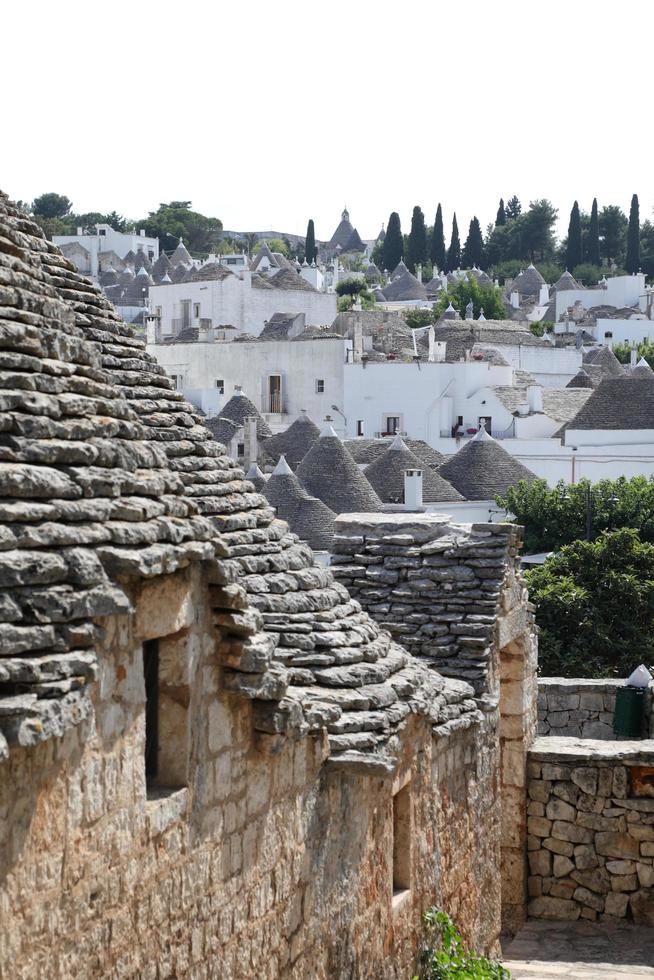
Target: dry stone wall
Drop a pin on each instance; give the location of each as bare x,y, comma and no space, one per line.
591,830
583,708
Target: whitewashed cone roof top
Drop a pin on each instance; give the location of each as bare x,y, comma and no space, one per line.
482,468
386,475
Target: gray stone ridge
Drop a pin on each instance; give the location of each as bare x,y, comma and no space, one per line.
448,593
107,477
591,829
583,707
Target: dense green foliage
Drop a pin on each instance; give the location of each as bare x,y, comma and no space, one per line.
595,606
459,295
51,205
437,248
527,237
418,317
393,247
574,254
591,240
500,218
556,516
513,208
175,220
444,957
644,348
351,287
453,258
632,260
473,249
310,250
416,252
613,234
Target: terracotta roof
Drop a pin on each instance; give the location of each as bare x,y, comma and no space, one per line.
386,475
482,468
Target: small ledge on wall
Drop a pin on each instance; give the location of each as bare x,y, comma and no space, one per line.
165,807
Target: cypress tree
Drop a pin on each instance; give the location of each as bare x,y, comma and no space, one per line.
416,252
438,257
454,251
573,252
393,249
473,250
592,239
632,262
501,214
310,249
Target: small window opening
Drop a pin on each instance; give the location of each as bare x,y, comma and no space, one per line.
240,449
196,310
360,427
151,675
165,673
220,385
392,425
320,386
402,841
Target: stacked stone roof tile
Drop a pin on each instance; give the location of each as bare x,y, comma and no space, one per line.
107,472
386,474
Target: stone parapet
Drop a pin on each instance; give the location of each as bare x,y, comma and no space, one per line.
591,829
583,707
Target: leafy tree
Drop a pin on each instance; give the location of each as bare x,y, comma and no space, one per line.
556,516
573,253
278,245
393,247
537,230
51,205
416,253
591,241
175,220
459,294
453,260
632,261
595,606
613,232
351,287
501,215
438,255
417,317
513,208
644,348
540,327
473,250
588,275
647,248
310,250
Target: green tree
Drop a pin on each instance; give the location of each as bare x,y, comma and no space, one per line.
459,294
393,247
586,274
513,208
473,249
632,260
647,249
51,205
175,220
644,348
416,253
438,255
453,259
595,606
573,254
592,242
310,250
613,233
501,215
278,245
537,230
418,317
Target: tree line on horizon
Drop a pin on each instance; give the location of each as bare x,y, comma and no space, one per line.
602,241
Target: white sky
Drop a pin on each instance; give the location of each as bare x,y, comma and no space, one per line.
266,114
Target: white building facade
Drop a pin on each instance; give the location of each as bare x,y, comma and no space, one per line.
86,250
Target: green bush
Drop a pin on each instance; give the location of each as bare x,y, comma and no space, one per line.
444,957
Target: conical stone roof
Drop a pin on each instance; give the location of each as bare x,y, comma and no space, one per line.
306,516
528,282
482,469
581,380
181,255
386,475
365,451
238,408
566,281
256,477
294,443
405,287
343,232
329,473
108,474
161,266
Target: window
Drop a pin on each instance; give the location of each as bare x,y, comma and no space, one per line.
320,386
196,310
274,393
220,385
402,841
360,427
157,311
150,254
175,380
240,449
392,425
165,670
186,313
486,420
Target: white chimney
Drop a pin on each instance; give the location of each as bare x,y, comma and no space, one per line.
358,338
142,232
515,299
633,357
431,357
80,230
440,348
544,296
250,442
152,330
413,489
419,273
535,398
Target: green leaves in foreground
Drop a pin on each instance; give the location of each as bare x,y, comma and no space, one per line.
444,957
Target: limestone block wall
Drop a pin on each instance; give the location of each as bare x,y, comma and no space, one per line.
583,708
265,862
591,829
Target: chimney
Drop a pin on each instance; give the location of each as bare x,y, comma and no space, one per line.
419,273
544,296
440,349
535,398
633,357
142,232
358,338
413,489
250,442
206,332
432,345
515,299
152,329
80,230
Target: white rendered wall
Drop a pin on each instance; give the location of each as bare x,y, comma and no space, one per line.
235,301
633,331
619,291
111,241
552,367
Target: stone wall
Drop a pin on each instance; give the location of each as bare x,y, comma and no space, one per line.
591,829
265,862
583,708
453,595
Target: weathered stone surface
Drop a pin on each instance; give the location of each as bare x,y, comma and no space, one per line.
547,907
